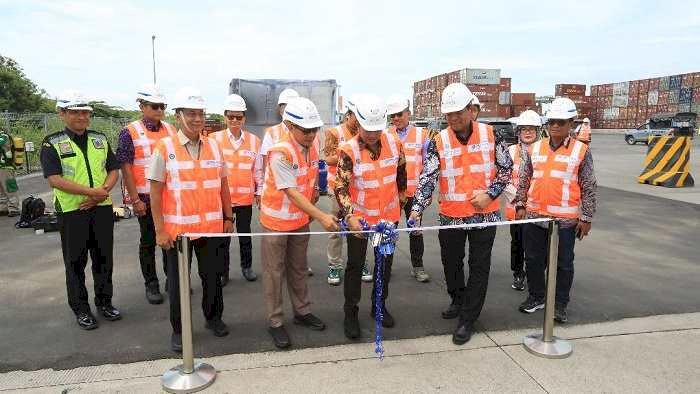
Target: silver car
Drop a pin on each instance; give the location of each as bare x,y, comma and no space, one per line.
642,134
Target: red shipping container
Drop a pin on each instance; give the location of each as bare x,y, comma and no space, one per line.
696,80
523,99
505,85
696,95
485,93
687,80
594,90
663,98
489,110
654,84
504,111
643,86
672,108
568,89
632,100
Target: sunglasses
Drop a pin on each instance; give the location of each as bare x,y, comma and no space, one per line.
235,117
397,115
156,107
558,122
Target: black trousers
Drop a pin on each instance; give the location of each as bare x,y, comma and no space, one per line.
415,242
210,265
84,232
244,215
452,251
536,244
517,253
147,249
357,252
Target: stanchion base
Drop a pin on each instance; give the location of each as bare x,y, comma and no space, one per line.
557,348
177,381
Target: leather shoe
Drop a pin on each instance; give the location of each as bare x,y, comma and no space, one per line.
176,342
310,321
351,325
86,321
462,334
109,312
219,328
452,311
153,294
279,337
249,274
387,319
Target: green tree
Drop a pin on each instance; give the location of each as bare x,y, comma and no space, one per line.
17,92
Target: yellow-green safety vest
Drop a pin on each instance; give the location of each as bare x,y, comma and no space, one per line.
75,168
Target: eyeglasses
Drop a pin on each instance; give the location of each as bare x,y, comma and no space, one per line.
397,115
155,106
558,122
235,117
308,131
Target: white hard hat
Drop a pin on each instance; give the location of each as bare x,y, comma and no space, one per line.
562,108
286,96
73,100
455,97
529,118
586,120
370,111
189,98
234,102
150,93
396,103
350,103
475,101
303,113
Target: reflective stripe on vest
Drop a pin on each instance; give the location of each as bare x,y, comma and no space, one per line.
277,212
74,168
413,149
343,135
373,190
144,141
466,170
240,162
192,192
554,189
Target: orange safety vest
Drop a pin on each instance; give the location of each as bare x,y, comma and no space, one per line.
343,135
191,196
277,212
373,191
514,151
466,170
584,133
241,164
277,132
144,141
554,189
413,149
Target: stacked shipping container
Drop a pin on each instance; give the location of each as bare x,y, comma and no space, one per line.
629,104
586,105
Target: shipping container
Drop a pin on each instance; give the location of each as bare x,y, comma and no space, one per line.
522,99
519,109
653,97
480,76
453,77
663,98
594,90
696,95
696,80
684,107
643,86
672,108
685,96
489,110
673,96
504,98
663,83
485,92
674,82
505,85
695,108
621,89
621,100
633,100
654,84
567,89
687,81
504,111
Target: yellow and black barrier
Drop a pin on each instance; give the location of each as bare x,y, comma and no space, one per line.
668,162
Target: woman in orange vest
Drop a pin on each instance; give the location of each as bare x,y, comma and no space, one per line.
241,153
557,181
473,169
136,143
370,185
528,127
287,205
583,133
190,194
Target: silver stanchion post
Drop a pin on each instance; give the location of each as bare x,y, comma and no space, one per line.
187,377
546,344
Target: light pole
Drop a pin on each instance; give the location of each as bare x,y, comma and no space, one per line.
153,49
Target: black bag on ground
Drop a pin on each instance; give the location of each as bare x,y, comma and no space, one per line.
32,209
47,223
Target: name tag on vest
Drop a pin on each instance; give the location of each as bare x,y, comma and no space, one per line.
484,146
412,145
564,159
247,153
538,159
212,164
452,152
390,161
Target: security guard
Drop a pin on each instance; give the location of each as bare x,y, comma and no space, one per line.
189,194
473,169
9,203
370,185
136,143
81,169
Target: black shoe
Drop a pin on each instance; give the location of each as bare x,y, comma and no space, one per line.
452,311
224,280
518,281
176,342
86,321
249,274
109,312
560,315
387,319
153,294
531,304
219,328
462,334
351,325
279,337
310,321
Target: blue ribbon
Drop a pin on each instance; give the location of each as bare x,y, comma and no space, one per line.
384,242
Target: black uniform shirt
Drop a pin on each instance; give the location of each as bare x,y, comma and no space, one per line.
51,163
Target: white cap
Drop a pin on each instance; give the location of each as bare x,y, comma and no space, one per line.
286,96
151,93
370,111
562,108
455,97
234,102
529,118
73,100
395,104
303,113
586,120
189,98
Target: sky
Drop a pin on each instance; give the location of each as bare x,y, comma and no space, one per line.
103,48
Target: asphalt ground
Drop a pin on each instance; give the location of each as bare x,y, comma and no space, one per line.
640,260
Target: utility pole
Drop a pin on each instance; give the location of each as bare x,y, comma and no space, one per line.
153,48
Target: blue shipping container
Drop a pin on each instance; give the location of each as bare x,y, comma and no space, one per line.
685,96
675,82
